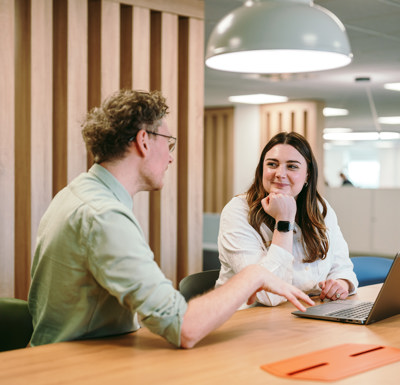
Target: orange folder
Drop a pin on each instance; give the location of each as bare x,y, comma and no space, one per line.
334,363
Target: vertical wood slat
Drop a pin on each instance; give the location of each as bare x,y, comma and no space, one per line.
60,89
41,112
77,89
94,56
182,149
220,142
155,84
110,54
168,195
126,46
229,158
22,147
190,134
141,81
218,155
208,162
7,161
195,145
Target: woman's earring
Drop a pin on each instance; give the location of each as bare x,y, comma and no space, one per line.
306,184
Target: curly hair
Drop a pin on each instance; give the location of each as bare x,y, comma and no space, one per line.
108,129
308,216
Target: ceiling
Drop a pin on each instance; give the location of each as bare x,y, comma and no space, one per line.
373,28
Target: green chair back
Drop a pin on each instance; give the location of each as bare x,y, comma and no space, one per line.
15,324
198,283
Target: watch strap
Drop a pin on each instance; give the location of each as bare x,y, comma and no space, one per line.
284,226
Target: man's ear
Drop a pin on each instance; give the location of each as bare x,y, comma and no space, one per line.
142,142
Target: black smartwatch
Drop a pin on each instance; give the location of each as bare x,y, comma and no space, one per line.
284,226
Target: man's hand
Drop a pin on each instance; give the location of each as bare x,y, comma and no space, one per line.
276,285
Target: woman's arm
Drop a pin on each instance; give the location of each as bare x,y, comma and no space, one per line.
240,245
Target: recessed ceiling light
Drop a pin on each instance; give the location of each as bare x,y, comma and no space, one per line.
337,130
389,120
257,99
329,111
344,136
392,86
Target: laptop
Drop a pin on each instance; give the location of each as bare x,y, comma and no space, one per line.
386,304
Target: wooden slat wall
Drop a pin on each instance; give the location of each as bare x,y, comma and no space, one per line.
190,133
140,78
59,59
218,158
7,140
304,117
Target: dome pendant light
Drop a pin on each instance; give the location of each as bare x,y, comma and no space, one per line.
278,36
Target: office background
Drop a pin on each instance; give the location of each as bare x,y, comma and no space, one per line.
60,58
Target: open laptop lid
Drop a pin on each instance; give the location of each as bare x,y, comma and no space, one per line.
386,304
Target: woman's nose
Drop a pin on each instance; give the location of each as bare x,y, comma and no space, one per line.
281,171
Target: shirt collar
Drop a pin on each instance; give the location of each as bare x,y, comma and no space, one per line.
113,184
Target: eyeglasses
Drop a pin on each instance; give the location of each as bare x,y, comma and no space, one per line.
171,140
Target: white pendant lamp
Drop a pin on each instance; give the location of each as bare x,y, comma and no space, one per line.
278,36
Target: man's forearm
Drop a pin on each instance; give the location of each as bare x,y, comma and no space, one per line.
205,313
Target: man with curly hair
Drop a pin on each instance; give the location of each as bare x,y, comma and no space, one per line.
93,273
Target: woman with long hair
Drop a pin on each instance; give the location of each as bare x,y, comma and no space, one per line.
283,224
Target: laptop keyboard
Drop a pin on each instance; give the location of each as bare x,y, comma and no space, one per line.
358,311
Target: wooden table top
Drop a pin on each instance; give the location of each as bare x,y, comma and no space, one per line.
232,354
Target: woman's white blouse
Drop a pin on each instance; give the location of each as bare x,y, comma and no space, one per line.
240,245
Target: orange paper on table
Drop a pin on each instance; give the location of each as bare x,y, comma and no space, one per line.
334,363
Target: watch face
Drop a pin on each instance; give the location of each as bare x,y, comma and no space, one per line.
284,226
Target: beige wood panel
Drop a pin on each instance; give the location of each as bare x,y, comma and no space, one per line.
229,166
141,80
7,161
218,156
155,84
110,47
141,48
22,147
208,164
77,86
41,112
190,8
220,164
190,134
168,196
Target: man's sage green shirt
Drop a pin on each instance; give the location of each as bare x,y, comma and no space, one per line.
93,272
